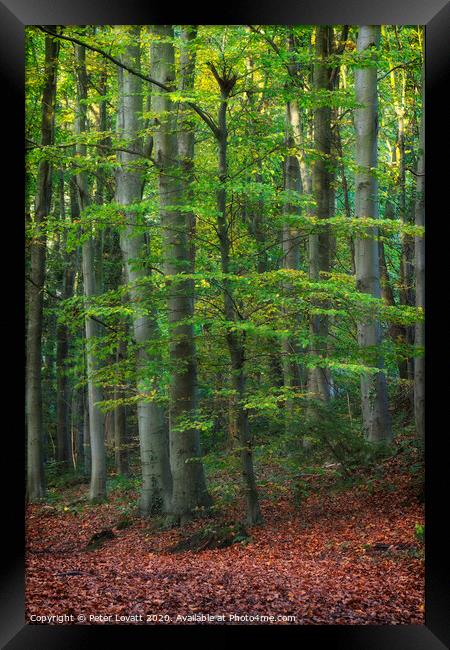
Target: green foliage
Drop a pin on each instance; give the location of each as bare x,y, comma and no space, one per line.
123,484
274,305
301,492
61,478
419,530
334,433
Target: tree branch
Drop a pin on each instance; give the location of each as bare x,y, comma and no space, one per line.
55,297
204,116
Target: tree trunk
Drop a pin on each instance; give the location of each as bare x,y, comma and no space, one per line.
63,437
188,480
374,399
35,469
121,451
291,260
235,340
407,247
419,340
396,331
186,138
96,421
152,426
348,213
120,439
319,243
86,436
76,428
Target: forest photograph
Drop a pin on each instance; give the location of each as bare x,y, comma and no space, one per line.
224,303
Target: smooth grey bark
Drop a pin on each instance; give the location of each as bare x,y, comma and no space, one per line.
295,121
319,243
101,195
189,490
120,439
76,428
97,490
35,468
291,260
255,215
419,254
78,395
62,395
374,398
396,332
121,452
84,444
346,194
235,339
407,245
152,425
299,135
86,436
186,137
253,210
66,279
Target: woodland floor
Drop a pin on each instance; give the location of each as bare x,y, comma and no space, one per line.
343,556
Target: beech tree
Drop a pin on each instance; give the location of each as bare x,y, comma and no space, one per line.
291,260
188,481
376,420
216,290
419,340
35,288
152,421
96,423
319,244
226,80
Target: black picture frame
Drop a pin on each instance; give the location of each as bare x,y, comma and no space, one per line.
435,15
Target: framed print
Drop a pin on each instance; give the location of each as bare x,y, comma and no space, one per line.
232,395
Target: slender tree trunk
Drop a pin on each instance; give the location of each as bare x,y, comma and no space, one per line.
348,212
253,210
374,399
35,469
86,435
76,427
319,244
396,331
407,250
188,480
152,425
186,135
120,440
100,184
419,341
235,340
255,216
96,421
291,260
78,396
67,276
62,438
406,262
299,140
121,451
62,411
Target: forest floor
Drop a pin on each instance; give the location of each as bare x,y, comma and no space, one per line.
342,555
